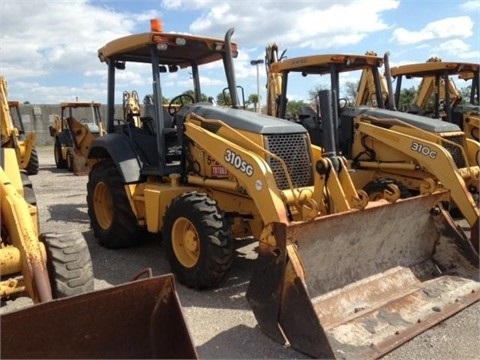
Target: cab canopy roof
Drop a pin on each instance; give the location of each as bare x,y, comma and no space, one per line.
13,103
79,104
320,64
433,68
174,48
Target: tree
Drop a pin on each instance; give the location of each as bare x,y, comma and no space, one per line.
253,99
293,107
148,100
351,88
224,99
407,96
465,94
313,93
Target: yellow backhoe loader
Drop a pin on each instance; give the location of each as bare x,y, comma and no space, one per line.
337,276
384,146
13,135
74,130
438,95
139,319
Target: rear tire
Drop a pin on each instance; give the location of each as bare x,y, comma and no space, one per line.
197,241
33,164
60,162
375,189
112,219
69,264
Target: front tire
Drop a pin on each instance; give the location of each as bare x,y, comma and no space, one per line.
197,241
112,219
69,264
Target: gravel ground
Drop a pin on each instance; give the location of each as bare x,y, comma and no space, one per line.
220,321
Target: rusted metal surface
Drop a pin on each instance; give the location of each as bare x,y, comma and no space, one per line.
359,284
140,319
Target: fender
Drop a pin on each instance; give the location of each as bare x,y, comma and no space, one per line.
120,150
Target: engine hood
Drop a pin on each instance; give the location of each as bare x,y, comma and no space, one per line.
245,120
421,122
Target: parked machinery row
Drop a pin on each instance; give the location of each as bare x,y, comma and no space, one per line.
201,176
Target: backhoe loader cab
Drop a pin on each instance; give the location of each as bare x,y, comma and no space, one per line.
75,127
203,176
385,146
438,95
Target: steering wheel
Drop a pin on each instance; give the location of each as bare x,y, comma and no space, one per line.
172,106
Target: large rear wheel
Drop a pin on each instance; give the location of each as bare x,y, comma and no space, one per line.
112,219
197,240
68,263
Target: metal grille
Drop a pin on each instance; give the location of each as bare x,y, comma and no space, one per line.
455,151
293,149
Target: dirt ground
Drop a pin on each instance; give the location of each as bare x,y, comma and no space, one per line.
220,321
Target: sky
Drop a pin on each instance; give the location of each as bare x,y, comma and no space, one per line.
48,49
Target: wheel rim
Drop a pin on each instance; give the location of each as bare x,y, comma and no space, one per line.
102,202
185,242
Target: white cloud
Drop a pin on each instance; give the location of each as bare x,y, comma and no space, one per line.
470,6
308,23
448,28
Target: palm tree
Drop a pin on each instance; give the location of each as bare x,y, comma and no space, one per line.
253,99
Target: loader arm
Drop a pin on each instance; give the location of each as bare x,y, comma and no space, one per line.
82,137
434,159
25,149
332,192
251,171
23,236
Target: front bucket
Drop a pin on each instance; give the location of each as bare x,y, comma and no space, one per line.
361,283
140,319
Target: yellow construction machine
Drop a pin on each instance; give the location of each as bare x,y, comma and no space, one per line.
74,130
439,97
139,319
337,275
383,146
43,266
13,134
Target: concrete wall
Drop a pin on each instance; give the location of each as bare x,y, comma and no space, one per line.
38,118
